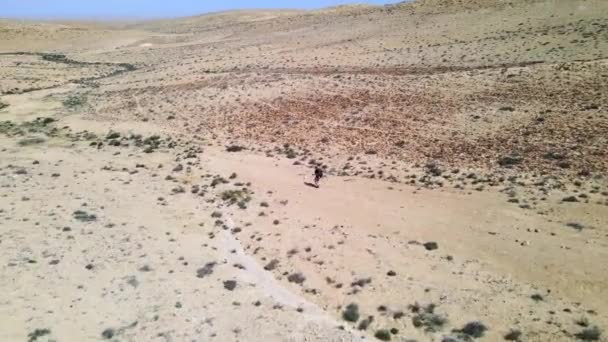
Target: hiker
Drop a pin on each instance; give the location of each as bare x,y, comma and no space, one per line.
318,175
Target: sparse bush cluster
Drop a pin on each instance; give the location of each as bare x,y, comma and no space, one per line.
217,180
236,196
473,329
149,144
31,141
83,216
287,150
75,101
34,335
39,125
589,334
426,318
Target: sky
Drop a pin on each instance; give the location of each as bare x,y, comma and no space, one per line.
127,9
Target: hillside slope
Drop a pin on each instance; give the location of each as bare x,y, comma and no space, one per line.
156,176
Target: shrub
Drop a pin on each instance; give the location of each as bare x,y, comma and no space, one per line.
513,335
108,333
271,265
364,324
234,148
510,160
74,101
236,196
33,336
383,335
361,282
229,285
297,278
575,225
351,313
589,334
83,216
112,135
433,168
583,322
536,297
205,270
474,329
218,180
430,246
31,141
427,319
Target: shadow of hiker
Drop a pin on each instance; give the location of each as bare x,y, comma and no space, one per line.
312,185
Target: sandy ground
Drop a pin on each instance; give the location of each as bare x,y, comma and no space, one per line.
155,177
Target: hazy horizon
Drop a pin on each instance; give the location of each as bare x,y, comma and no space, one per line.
142,9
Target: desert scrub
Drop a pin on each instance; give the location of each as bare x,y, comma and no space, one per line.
426,318
473,329
53,57
83,216
3,105
240,196
108,333
537,297
351,313
33,336
429,321
297,278
271,265
31,141
589,334
234,148
39,125
509,161
112,135
575,225
149,144
364,324
383,335
513,335
74,101
289,152
218,180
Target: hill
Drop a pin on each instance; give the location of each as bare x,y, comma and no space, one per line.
157,185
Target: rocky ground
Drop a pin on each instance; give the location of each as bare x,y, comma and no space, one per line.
154,177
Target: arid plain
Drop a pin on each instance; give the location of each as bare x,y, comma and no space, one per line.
153,175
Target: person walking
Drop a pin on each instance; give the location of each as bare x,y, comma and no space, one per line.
318,175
